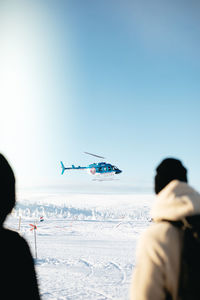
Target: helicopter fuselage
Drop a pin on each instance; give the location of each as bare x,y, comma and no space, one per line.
103,168
96,168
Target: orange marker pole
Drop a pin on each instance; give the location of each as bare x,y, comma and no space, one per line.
34,227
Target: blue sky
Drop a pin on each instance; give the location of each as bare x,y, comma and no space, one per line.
117,78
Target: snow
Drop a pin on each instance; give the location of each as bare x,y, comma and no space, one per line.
86,243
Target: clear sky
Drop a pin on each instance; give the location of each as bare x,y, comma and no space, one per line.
117,78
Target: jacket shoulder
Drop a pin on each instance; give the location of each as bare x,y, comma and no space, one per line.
12,239
160,239
161,231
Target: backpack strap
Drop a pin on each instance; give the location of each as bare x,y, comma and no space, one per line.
189,287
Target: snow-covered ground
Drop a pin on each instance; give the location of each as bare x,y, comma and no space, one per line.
86,243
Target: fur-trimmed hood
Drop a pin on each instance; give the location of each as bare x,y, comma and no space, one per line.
176,201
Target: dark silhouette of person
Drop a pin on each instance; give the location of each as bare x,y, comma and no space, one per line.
17,273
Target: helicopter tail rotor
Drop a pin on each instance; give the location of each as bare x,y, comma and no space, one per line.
63,167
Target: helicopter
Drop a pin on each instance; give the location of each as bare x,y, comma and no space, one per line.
99,170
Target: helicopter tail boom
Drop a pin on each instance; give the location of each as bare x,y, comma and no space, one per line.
63,168
72,168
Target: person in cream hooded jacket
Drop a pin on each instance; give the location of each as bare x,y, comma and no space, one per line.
157,270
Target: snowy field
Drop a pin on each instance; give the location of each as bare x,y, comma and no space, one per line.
86,243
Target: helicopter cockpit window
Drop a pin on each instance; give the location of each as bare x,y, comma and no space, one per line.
109,168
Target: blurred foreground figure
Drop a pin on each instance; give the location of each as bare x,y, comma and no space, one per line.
18,278
168,254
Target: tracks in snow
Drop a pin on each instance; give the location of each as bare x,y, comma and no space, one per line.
111,272
103,277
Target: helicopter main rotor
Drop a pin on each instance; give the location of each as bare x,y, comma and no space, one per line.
94,155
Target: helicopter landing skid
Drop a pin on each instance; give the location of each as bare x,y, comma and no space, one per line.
104,179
